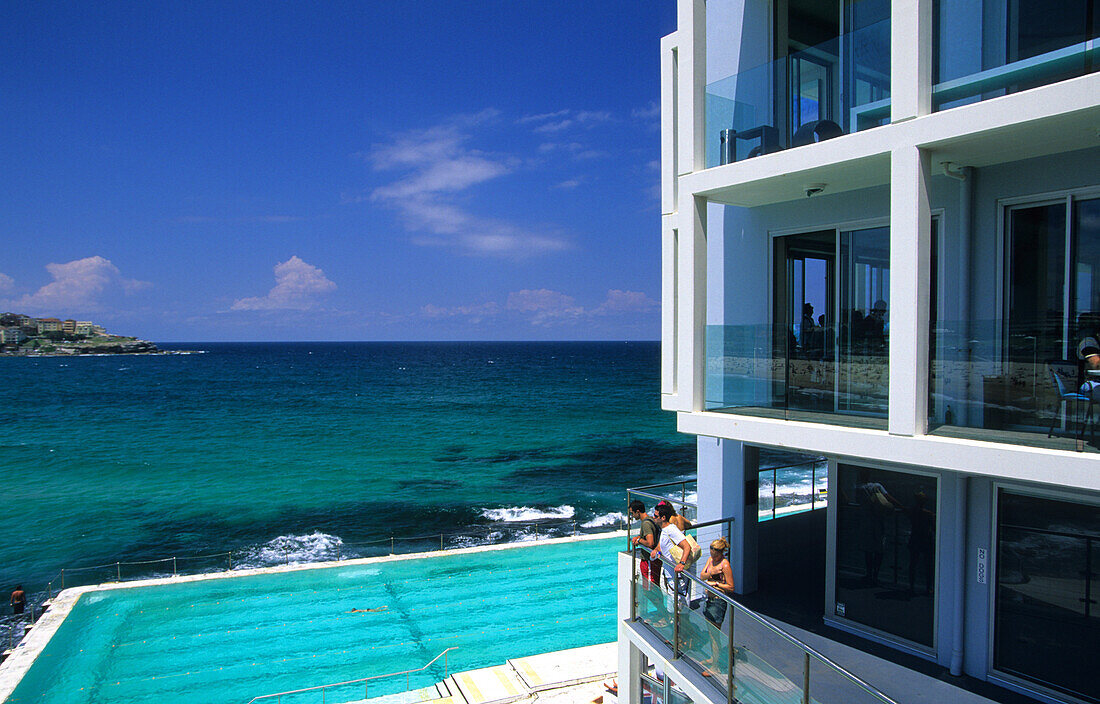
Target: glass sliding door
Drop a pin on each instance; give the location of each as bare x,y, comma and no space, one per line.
804,314
1053,302
831,324
864,362
1047,620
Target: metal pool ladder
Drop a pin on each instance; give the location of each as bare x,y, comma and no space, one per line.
365,681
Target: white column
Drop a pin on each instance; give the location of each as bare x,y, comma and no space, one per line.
691,306
910,59
910,252
727,471
691,59
630,658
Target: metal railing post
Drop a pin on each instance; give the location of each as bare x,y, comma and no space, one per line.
118,568
175,572
536,532
675,615
337,552
391,545
805,678
730,686
286,555
634,585
49,589
574,529
230,561
62,579
775,480
813,486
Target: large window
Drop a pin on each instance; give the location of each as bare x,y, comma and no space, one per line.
987,49
886,551
1053,288
1047,626
1018,372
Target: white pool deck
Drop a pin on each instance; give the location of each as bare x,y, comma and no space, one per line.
16,665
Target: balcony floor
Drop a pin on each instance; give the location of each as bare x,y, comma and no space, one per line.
847,420
1061,440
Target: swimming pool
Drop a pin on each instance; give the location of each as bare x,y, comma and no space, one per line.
228,640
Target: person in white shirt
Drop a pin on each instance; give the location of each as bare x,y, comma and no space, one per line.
673,536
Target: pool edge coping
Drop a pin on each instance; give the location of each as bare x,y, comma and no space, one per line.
23,656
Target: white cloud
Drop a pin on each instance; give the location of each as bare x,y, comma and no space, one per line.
297,285
475,313
544,307
556,126
438,168
618,301
568,183
552,122
7,283
79,285
541,117
650,112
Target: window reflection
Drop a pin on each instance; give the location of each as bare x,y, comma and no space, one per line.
886,551
1047,619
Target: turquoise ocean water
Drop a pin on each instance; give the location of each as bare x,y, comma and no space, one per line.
282,451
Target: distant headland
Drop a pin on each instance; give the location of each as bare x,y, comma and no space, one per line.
22,335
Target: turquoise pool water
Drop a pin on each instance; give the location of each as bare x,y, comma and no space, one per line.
228,640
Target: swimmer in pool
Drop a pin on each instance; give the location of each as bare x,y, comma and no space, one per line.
367,611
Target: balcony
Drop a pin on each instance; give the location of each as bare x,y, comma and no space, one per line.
985,51
1012,383
834,88
743,656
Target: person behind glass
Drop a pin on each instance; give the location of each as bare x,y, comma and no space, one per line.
647,536
718,574
876,504
807,327
1088,352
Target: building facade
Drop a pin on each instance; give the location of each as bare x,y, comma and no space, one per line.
881,245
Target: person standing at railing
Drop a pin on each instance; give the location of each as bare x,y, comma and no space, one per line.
672,537
648,534
18,600
718,574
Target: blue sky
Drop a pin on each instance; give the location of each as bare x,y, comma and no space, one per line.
333,171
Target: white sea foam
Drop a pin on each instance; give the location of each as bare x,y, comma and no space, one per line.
515,514
607,519
293,549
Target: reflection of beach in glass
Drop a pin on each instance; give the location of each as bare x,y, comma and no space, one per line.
793,489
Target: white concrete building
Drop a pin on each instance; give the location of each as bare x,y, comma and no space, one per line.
881,244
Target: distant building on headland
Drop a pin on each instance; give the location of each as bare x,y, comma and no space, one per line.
12,336
48,325
16,328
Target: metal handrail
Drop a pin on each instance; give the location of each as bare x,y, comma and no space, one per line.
364,680
471,531
808,651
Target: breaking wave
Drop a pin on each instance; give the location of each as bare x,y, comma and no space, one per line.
290,549
514,514
607,519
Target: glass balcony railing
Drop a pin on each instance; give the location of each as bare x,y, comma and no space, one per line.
834,88
1007,381
1007,48
745,657
828,375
